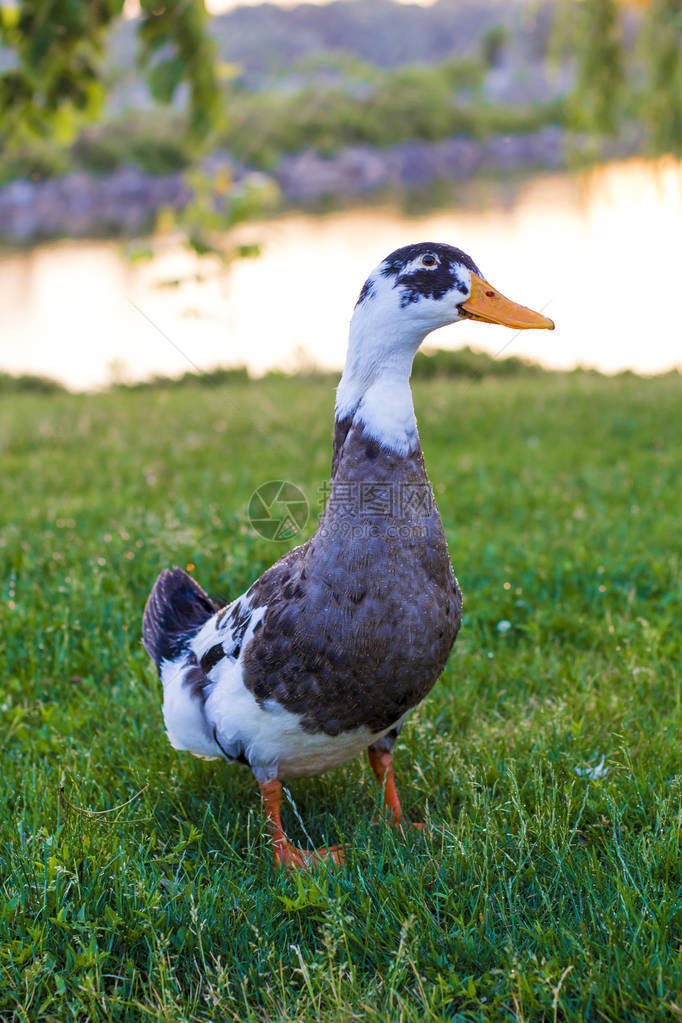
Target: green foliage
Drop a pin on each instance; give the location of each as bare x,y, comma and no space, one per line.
662,91
350,68
493,44
410,103
429,364
57,83
57,80
180,27
211,378
539,894
596,104
28,383
466,362
57,45
218,204
619,83
416,102
157,143
36,159
419,104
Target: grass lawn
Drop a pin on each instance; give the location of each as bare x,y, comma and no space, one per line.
541,894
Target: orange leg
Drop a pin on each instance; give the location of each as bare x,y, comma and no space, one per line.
286,854
382,765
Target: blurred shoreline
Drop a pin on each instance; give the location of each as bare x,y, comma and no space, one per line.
432,363
127,201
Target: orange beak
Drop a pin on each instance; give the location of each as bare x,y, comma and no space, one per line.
487,304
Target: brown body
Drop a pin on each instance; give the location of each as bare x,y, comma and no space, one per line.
361,619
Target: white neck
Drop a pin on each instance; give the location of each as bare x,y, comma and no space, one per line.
375,386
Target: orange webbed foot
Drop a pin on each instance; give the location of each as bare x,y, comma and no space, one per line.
286,854
290,857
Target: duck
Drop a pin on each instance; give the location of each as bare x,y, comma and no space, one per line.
327,653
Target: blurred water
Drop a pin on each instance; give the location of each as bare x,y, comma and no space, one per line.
598,251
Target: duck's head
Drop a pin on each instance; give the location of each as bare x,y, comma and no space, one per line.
413,291
425,286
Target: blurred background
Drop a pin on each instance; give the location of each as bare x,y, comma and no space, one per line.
187,186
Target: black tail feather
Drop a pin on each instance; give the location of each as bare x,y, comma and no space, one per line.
177,608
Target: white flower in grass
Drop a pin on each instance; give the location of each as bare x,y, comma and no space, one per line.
593,773
503,626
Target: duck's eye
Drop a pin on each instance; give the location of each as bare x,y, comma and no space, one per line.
429,259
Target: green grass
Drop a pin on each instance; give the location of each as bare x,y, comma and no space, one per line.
540,895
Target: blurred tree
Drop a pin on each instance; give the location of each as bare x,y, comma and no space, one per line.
562,35
597,100
493,44
56,80
662,58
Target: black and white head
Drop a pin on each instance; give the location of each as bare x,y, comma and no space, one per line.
413,291
425,286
